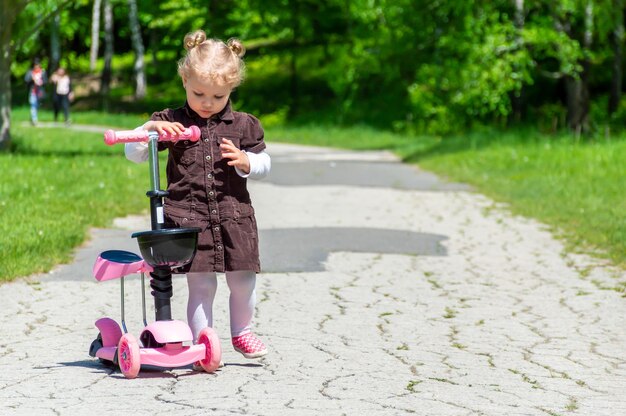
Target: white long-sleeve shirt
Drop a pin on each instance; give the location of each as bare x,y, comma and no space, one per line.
260,163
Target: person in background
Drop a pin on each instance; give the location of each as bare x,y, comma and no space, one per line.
35,80
62,94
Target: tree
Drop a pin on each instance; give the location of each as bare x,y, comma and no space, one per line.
12,39
617,40
577,84
9,11
55,43
412,64
139,69
95,34
105,80
473,67
517,98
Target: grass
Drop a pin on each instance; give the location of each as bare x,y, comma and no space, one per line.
57,183
356,137
21,115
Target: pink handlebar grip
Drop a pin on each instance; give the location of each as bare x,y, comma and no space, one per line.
126,136
112,137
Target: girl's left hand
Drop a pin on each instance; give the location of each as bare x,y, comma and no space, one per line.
237,158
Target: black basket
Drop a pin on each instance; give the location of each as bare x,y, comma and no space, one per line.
170,247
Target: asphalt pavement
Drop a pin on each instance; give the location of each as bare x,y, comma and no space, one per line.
386,291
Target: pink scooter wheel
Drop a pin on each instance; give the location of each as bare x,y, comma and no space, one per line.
128,356
213,356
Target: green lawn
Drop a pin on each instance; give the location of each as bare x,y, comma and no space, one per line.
57,183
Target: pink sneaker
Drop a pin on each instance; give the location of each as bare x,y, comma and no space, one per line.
249,345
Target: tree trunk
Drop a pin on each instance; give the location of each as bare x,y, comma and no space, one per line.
105,82
8,12
154,47
517,99
586,64
575,104
577,88
617,39
5,86
55,43
295,21
140,73
95,34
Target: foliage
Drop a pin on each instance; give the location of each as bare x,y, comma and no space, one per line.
489,66
410,65
31,39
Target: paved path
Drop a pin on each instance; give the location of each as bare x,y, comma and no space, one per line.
387,292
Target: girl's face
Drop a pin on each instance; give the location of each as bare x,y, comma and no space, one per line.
206,97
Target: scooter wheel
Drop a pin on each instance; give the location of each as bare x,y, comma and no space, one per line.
128,356
96,344
213,356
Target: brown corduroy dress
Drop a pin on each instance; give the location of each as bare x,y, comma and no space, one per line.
205,192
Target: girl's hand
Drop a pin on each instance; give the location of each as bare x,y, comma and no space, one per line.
165,127
237,158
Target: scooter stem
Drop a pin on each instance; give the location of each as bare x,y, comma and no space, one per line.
161,277
155,193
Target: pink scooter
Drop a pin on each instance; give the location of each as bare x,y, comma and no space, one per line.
164,343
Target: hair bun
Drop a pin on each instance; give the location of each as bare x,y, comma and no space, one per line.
194,39
237,47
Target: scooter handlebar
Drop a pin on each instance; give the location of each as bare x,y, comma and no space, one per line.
112,137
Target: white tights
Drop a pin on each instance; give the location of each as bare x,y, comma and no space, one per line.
202,289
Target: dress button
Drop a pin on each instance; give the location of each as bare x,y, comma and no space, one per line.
185,220
217,228
213,211
206,140
211,193
210,176
219,247
208,158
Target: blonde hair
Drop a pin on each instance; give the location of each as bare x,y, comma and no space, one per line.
212,59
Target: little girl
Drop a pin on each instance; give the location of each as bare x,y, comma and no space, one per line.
207,184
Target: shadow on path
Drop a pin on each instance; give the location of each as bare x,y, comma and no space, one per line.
306,249
352,173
